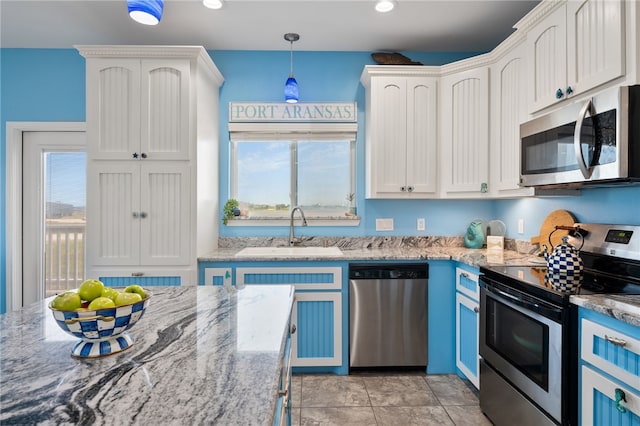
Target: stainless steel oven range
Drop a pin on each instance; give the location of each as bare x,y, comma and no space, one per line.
529,330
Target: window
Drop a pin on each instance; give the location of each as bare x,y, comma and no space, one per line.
271,174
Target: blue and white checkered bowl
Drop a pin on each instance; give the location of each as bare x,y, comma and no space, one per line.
103,331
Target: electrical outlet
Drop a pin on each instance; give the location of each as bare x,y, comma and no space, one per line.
420,225
520,226
384,224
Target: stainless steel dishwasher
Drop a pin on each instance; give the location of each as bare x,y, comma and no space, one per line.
388,314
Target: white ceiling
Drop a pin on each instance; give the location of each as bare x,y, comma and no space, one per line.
323,25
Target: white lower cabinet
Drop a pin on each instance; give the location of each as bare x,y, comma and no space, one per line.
609,371
467,322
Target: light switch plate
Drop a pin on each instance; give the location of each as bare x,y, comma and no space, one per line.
420,224
520,226
384,224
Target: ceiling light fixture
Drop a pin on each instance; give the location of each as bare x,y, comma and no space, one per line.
212,4
147,12
291,86
384,6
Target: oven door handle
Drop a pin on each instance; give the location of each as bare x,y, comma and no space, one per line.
536,307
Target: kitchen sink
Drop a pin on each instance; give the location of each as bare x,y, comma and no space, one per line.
290,252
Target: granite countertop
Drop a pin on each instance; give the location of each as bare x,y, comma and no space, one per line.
201,355
624,307
472,257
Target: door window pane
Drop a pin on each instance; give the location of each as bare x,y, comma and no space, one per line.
65,219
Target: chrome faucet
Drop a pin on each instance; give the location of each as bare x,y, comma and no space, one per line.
292,238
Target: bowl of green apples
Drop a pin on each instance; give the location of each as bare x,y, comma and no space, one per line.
100,316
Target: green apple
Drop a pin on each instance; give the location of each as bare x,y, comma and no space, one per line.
110,292
127,299
90,289
68,301
101,303
135,288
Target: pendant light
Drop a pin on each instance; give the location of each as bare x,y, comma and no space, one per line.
291,86
147,12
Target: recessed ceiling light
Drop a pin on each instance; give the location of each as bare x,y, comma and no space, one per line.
212,4
384,6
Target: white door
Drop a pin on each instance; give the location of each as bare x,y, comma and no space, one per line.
53,206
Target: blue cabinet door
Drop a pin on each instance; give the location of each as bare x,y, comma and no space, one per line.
318,339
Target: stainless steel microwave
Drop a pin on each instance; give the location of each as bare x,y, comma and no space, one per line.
593,141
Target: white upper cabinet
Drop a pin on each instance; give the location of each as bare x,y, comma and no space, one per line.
464,135
152,156
578,46
143,108
401,137
508,111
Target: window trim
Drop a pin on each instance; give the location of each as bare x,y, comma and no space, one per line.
293,132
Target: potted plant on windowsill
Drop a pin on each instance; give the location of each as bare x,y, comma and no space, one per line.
230,210
353,211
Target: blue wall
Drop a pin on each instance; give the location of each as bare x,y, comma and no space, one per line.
332,77
36,85
49,85
597,205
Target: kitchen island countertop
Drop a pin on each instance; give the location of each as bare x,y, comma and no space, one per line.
201,355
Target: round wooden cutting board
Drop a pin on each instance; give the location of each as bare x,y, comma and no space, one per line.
555,218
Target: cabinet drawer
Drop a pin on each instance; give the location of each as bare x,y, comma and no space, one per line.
614,352
467,283
598,403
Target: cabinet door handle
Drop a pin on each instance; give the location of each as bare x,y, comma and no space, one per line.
137,274
403,188
143,155
569,90
410,188
135,215
464,275
616,341
135,155
476,310
293,329
620,397
143,215
559,94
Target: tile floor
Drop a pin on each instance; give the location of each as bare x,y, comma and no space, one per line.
384,399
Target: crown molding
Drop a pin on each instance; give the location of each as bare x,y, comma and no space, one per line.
537,13
398,71
197,53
